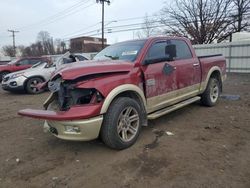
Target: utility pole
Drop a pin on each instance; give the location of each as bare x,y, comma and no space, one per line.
13,37
102,2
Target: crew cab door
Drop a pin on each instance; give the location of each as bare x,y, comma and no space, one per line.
160,77
188,70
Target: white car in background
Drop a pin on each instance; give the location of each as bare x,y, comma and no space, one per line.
27,80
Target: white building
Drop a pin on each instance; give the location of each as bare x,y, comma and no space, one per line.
241,36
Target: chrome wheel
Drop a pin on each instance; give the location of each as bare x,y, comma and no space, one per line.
214,91
128,124
32,84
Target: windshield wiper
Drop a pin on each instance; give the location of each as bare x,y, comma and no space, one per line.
112,57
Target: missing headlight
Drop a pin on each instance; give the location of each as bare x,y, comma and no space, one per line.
68,97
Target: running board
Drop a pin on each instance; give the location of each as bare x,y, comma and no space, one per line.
169,109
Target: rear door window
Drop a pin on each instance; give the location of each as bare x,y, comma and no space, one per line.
24,62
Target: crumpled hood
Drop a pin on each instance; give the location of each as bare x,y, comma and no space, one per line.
79,69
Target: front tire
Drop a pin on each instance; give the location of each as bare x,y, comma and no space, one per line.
211,94
31,85
122,123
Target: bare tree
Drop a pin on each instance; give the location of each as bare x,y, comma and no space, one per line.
203,21
8,50
241,16
27,52
44,46
57,44
63,46
46,41
148,28
60,46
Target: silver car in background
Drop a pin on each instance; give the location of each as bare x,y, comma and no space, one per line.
27,80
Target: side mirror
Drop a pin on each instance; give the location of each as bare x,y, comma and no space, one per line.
170,51
47,65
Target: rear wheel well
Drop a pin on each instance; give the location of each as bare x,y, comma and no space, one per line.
216,74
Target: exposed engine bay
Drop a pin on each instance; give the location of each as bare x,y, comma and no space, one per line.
65,94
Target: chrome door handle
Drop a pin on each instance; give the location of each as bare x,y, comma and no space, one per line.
196,64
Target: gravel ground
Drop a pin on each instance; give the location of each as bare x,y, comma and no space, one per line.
210,148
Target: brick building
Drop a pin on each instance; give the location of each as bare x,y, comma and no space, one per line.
86,44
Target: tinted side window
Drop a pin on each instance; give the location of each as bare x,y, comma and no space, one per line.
24,62
34,61
182,49
157,50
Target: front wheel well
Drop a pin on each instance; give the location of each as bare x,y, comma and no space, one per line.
134,95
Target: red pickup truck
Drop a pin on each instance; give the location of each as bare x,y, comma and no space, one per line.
19,64
126,84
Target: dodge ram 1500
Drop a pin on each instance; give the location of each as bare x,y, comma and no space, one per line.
125,85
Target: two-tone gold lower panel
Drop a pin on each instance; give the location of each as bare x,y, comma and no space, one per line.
170,98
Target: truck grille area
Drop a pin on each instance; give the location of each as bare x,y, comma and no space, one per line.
68,96
53,130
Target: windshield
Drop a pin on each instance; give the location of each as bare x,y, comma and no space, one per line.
121,51
40,63
12,62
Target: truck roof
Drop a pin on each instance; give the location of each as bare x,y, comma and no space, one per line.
155,38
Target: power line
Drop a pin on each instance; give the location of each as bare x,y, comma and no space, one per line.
91,26
170,21
68,14
85,28
56,16
122,30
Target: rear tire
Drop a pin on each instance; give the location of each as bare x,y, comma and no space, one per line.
211,94
122,123
31,85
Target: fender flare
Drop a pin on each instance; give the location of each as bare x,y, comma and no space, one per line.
210,72
120,89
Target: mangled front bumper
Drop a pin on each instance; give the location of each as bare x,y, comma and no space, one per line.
79,123
71,113
80,130
76,124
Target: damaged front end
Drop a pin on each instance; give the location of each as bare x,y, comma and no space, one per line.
65,94
71,113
